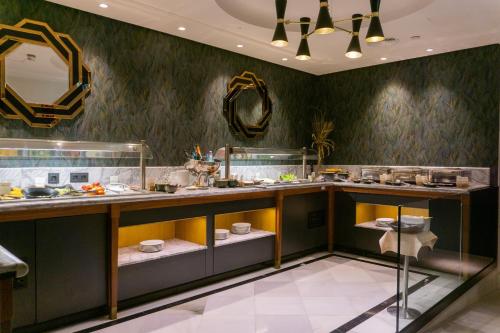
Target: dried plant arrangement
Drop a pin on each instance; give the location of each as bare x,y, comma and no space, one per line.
322,128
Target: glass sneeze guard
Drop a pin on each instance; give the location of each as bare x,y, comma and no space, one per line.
228,154
53,149
27,149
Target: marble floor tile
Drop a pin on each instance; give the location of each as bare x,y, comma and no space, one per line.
281,324
315,297
275,289
329,306
229,305
325,324
279,306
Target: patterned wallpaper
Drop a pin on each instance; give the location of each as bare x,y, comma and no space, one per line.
161,88
439,110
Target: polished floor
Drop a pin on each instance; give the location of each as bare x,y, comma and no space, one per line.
316,294
480,317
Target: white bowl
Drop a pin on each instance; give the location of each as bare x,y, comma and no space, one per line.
241,228
151,245
221,234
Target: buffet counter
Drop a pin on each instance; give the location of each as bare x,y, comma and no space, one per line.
99,235
222,194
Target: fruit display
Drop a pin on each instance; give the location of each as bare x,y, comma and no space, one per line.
288,177
94,188
16,192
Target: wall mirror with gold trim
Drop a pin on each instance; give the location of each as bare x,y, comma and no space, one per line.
247,106
42,75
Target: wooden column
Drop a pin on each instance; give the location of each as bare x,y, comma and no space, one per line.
114,223
331,218
279,224
6,303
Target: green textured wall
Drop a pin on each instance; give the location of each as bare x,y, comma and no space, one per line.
439,110
165,89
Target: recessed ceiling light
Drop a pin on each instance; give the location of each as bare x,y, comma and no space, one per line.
181,28
239,45
430,50
284,59
383,58
103,5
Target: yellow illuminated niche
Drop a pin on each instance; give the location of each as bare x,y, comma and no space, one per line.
368,212
263,219
191,230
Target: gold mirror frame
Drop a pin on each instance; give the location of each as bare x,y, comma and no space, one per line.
238,84
68,106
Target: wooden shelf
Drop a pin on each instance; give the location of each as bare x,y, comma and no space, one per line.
131,255
233,238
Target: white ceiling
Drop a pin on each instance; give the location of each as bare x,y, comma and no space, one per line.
443,25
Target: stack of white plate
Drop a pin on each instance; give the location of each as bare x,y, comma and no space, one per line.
152,245
241,228
221,234
384,221
423,222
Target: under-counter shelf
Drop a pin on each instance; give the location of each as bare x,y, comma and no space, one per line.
234,238
180,236
131,255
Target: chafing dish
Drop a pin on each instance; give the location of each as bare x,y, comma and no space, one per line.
373,173
407,175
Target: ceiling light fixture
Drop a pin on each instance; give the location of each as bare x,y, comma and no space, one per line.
383,58
279,37
284,59
325,25
354,48
181,28
303,51
375,33
239,45
430,50
103,5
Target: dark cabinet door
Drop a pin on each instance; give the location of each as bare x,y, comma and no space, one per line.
71,261
304,222
19,238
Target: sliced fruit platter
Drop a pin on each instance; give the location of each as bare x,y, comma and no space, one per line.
94,188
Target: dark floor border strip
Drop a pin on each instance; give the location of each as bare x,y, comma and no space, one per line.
382,306
383,265
365,315
195,297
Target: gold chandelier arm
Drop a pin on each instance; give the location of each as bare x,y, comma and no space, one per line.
367,16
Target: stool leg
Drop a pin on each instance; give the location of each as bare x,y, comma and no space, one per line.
404,311
405,282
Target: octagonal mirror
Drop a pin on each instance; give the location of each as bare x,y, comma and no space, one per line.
37,73
43,78
247,106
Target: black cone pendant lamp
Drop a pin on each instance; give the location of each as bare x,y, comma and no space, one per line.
324,24
303,51
375,33
354,49
279,37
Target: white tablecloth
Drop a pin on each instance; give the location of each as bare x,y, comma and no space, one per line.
410,243
9,263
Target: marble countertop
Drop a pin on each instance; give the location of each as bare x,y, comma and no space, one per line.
31,204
